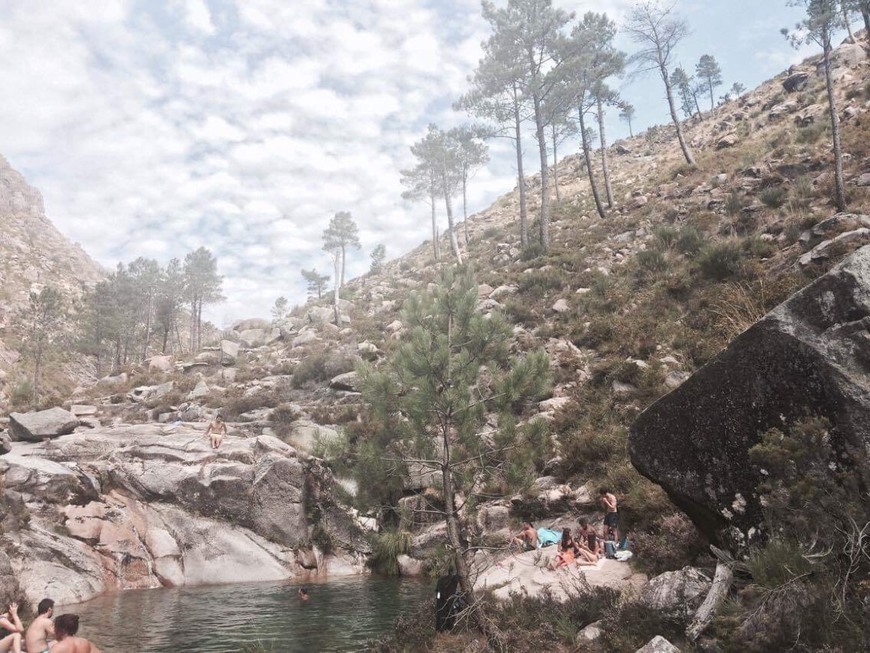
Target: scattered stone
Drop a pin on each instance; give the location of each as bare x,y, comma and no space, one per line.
229,352
589,634
160,363
201,390
795,82
305,338
863,180
676,592
410,567
5,443
394,327
729,140
622,390
368,351
349,382
675,379
658,644
503,291
484,290
35,426
553,404
82,410
561,306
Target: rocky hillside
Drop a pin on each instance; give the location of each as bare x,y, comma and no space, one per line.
628,307
33,254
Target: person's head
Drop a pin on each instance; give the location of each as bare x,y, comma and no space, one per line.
219,418
45,607
566,536
604,491
584,524
527,525
66,625
303,593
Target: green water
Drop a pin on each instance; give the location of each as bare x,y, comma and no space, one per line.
341,615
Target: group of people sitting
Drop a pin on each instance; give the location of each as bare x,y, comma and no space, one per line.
586,549
44,635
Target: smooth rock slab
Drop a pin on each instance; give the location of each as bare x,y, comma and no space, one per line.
809,356
658,644
34,427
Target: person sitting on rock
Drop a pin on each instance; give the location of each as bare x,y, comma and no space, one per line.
527,538
42,628
568,550
590,545
217,429
65,628
10,630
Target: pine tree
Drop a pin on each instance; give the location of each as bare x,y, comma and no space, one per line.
431,399
341,234
626,113
708,72
202,285
317,282
40,320
471,154
379,255
279,309
821,21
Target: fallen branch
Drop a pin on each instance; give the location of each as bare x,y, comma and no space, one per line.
718,591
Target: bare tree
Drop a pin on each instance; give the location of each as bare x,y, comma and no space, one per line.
822,20
653,26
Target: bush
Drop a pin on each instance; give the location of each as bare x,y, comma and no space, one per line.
237,404
720,261
386,548
773,197
733,204
320,367
652,261
666,236
282,417
532,251
810,134
690,240
672,543
539,282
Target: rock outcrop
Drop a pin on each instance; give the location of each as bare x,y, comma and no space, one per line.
148,506
809,356
35,426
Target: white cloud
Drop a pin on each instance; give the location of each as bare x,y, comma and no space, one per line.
242,125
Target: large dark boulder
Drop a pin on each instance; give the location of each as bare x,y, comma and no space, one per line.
810,356
35,426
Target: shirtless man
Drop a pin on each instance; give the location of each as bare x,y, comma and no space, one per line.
10,630
588,541
527,538
611,514
65,627
42,628
217,429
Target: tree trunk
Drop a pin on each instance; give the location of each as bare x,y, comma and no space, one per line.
712,103
718,593
840,190
454,538
865,14
544,221
603,147
555,163
674,118
697,104
37,373
448,206
165,340
335,295
630,132
847,22
465,205
588,158
341,283
147,328
192,338
435,244
521,179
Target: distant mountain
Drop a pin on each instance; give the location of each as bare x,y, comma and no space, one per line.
33,254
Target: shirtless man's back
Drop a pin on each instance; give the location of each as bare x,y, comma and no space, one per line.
42,628
65,627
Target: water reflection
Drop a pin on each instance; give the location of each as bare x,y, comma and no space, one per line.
340,616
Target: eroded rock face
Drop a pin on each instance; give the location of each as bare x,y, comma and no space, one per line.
809,356
148,506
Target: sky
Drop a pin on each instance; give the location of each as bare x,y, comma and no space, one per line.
153,128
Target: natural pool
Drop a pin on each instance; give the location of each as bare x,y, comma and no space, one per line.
341,615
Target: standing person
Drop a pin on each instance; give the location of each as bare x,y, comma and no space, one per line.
65,628
611,514
42,628
10,630
217,429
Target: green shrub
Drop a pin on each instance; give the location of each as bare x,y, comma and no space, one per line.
720,261
532,251
733,204
520,313
539,282
666,236
388,545
652,261
319,367
672,543
690,240
773,197
810,134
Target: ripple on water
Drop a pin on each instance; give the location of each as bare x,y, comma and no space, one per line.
340,616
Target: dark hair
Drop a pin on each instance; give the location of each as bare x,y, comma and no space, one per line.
566,537
529,524
44,606
584,523
219,417
66,624
302,590
604,490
